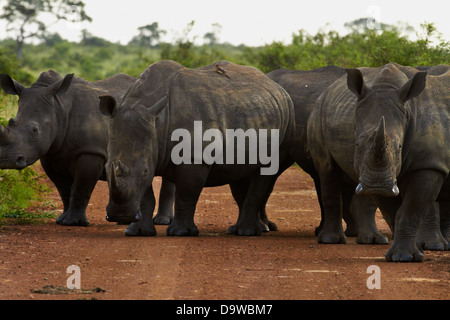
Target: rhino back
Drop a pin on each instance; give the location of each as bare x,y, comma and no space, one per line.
304,87
330,128
248,100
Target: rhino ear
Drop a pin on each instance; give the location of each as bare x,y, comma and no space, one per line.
108,106
355,82
413,87
61,86
9,85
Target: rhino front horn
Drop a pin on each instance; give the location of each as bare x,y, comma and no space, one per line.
114,181
381,132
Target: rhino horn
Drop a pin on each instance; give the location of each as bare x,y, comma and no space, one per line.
380,136
120,169
379,144
114,181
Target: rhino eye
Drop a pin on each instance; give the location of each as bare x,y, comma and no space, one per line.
400,146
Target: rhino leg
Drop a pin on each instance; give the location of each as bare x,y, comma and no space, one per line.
87,169
249,221
63,183
331,189
189,183
165,205
349,218
444,208
364,209
420,192
144,227
429,236
239,191
319,199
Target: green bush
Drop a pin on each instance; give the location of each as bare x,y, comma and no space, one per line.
20,191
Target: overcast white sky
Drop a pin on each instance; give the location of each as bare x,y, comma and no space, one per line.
252,22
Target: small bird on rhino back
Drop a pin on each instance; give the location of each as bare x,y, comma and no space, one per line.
221,70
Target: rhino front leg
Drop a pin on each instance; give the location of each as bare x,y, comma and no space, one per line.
331,189
63,182
444,210
429,236
165,205
189,183
144,227
86,171
365,212
421,190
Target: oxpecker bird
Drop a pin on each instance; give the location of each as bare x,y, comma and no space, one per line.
221,70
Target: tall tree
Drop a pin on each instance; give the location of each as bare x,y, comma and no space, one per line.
25,17
212,37
148,35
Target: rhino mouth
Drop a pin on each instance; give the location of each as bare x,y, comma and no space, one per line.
13,161
122,214
123,219
386,189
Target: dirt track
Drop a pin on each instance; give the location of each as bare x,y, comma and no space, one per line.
285,264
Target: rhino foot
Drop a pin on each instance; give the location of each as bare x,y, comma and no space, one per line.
399,253
175,229
434,242
372,238
162,220
436,245
136,229
331,237
270,226
240,230
66,219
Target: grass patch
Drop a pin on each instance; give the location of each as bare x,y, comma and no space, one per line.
23,197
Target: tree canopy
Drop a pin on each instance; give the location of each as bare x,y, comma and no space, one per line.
25,17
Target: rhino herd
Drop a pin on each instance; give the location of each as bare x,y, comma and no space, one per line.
369,138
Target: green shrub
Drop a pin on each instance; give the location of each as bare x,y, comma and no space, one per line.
22,196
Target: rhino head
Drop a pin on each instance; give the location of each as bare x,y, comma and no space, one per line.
29,136
132,155
382,121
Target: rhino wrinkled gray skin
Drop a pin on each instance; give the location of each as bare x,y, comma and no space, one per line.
305,87
140,143
58,123
387,129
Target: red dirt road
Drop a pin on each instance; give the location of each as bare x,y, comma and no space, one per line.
285,264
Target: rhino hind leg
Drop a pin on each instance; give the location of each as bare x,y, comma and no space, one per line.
249,221
239,191
164,216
